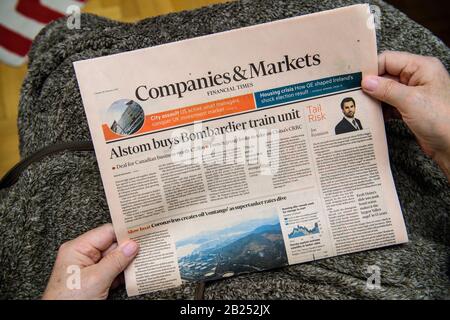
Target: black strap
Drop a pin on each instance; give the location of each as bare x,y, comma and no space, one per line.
199,293
12,175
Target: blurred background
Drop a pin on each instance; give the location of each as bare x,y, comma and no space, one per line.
433,14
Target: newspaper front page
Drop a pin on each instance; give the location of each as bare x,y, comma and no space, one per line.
245,150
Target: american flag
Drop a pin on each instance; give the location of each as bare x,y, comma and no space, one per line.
21,21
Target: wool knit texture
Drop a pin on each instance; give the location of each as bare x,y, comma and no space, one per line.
61,196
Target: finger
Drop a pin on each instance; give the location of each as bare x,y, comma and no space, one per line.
389,112
113,246
100,238
386,90
87,248
388,76
392,62
407,67
116,261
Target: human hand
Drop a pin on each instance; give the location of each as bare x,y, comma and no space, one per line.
419,88
100,262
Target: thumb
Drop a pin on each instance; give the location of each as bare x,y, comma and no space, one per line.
111,265
386,90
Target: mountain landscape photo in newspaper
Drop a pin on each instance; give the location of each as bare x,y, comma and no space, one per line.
250,246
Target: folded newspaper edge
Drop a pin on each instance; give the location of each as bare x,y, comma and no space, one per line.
245,150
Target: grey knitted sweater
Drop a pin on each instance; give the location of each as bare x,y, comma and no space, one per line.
61,196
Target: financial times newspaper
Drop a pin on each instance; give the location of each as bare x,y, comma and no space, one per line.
245,150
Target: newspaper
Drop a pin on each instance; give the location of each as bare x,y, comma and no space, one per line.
244,150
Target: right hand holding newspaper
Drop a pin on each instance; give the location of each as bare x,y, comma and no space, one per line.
245,150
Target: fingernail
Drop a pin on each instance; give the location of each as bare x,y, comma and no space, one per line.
130,248
370,83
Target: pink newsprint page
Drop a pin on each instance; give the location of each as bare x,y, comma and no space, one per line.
245,150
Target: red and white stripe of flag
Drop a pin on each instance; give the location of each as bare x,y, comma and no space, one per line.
21,21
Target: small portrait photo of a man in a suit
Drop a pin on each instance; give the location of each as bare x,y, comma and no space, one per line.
349,122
